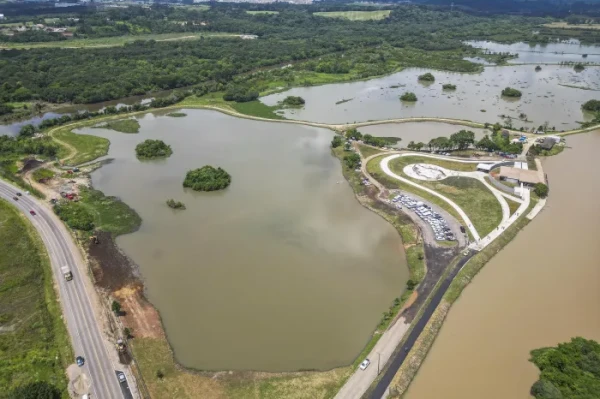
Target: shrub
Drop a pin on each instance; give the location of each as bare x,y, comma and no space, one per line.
510,92
427,77
592,105
579,67
42,174
293,101
36,390
538,68
171,203
207,178
75,215
541,190
240,94
337,141
449,86
408,96
352,161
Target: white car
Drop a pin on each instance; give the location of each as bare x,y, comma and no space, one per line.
365,364
122,378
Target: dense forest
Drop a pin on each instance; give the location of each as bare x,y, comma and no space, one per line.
410,36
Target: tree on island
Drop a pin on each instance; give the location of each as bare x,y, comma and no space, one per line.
427,77
449,86
171,203
538,68
541,190
592,105
579,67
570,370
207,178
408,96
510,92
293,101
149,149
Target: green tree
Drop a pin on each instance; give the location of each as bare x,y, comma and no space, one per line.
337,141
293,101
352,161
27,131
150,149
592,105
409,97
116,307
462,139
36,390
207,178
127,332
354,134
449,86
538,68
510,92
427,77
541,190
543,389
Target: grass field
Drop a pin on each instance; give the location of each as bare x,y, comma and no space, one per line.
262,12
34,345
512,205
367,151
355,15
256,108
396,165
110,214
87,147
115,41
122,125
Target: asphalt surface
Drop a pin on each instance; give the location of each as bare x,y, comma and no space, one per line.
81,323
124,387
398,358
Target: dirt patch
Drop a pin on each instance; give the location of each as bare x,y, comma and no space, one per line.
139,314
30,164
111,268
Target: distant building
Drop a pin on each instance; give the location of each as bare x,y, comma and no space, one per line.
547,143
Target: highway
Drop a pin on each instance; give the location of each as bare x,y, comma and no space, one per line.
86,336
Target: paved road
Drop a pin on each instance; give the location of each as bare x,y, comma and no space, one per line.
85,333
398,358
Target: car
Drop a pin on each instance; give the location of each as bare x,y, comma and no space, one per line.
80,361
19,194
365,364
121,377
16,198
32,213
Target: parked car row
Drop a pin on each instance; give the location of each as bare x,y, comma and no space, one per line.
440,227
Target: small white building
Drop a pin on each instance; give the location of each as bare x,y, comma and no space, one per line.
484,167
1,16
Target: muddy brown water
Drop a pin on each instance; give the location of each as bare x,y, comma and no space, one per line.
477,97
553,52
542,289
283,270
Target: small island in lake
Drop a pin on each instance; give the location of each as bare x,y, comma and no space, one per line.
171,203
150,149
449,86
293,101
427,77
409,96
510,92
207,178
592,105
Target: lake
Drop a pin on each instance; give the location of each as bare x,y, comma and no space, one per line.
284,270
546,97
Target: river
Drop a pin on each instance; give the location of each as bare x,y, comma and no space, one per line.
284,270
542,289
546,97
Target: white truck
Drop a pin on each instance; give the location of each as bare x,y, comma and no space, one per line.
67,273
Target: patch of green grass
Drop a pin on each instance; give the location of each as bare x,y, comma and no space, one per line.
114,41
121,125
42,174
35,345
87,147
109,213
512,205
355,15
262,12
367,151
177,114
256,108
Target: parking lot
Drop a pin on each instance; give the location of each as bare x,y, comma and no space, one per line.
438,224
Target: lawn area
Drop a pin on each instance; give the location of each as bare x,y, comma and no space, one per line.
87,147
512,205
121,125
109,213
115,41
35,345
262,12
396,165
367,151
355,15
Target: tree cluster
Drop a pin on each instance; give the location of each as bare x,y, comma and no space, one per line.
541,190
207,178
409,96
457,141
293,101
510,92
352,161
499,142
449,86
592,105
427,77
240,94
35,390
569,371
149,149
75,215
27,146
171,203
337,141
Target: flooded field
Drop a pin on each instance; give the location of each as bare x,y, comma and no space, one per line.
551,53
284,270
546,97
542,289
418,131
